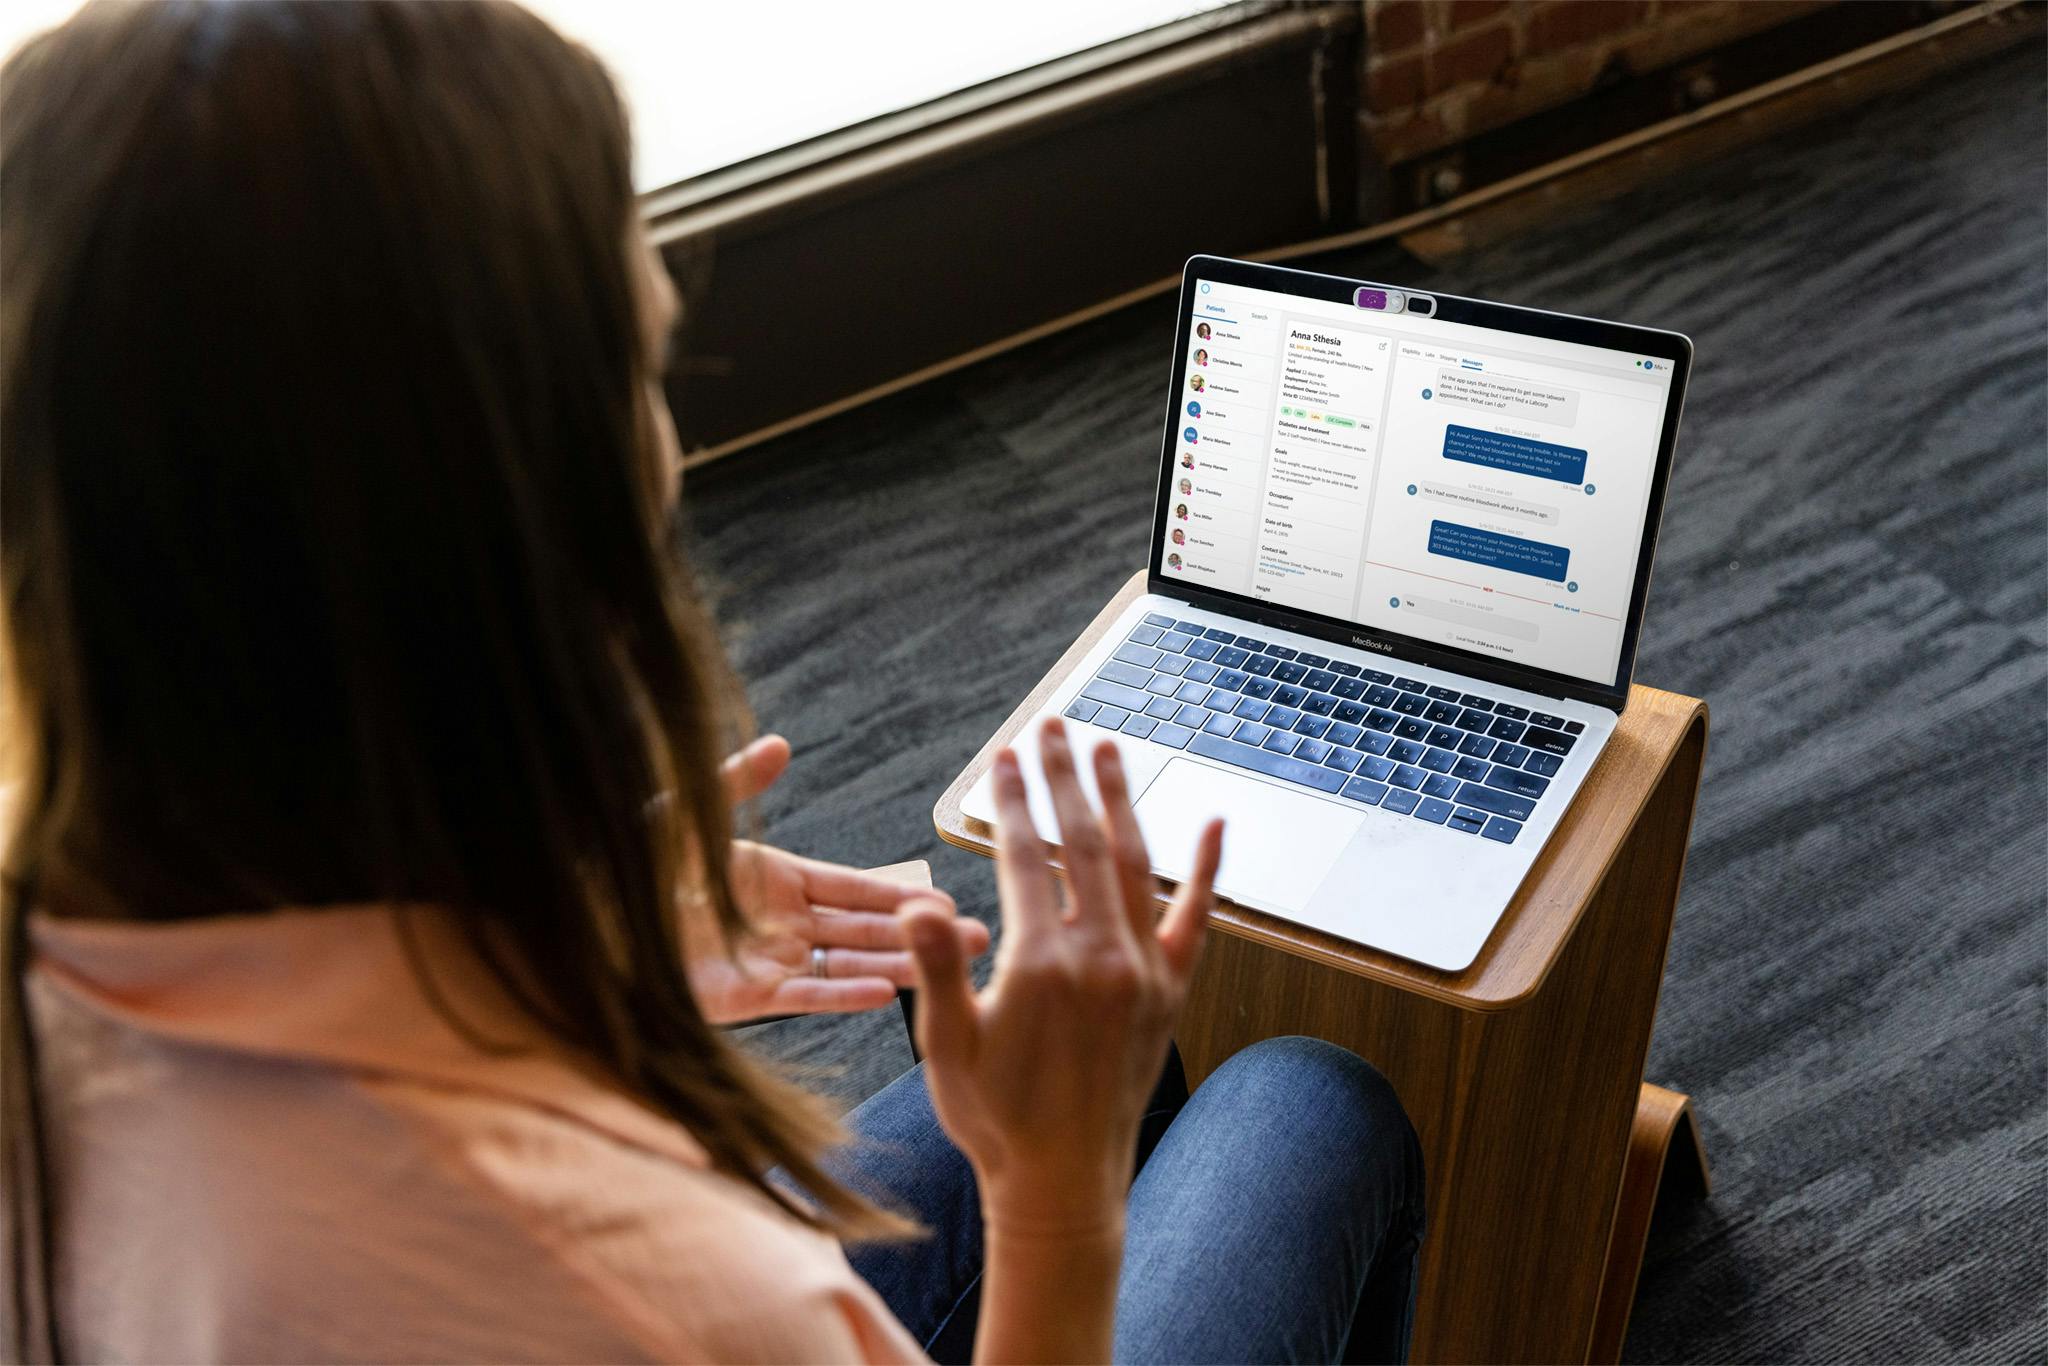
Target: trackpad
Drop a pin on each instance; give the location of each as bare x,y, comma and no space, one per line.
1277,845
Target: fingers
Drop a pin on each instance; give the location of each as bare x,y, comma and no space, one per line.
1127,844
947,1018
1187,918
1093,892
830,995
753,770
867,930
1030,905
829,884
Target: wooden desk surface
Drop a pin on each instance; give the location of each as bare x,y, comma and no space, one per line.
1526,943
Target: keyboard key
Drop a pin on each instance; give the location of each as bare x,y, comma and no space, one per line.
1192,692
1253,645
1319,680
1170,734
1365,791
1545,764
1441,713
1201,649
1511,711
1280,742
1163,684
1290,673
1174,664
1220,700
1144,635
1349,712
1467,820
1283,717
1311,725
1111,718
1279,652
1311,750
1408,776
1261,664
1338,666
1193,628
1409,684
1259,687
1342,734
1443,737
1173,642
1475,702
1202,673
1272,765
1081,709
1381,720
1381,696
1375,676
1220,725
1379,770
1502,829
1231,657
1442,694
1312,661
1478,746
1372,742
1505,729
1412,729
1411,704
1512,755
1289,694
1252,733
1433,810
1349,687
1143,656
1406,751
1219,636
1574,727
1472,770
1154,619
1345,759
1192,716
1546,720
1231,680
1548,741
1130,675
1162,709
1251,709
1440,785
1496,802
1115,695
1474,720
1400,801
1140,726
1439,760
1515,780
1321,703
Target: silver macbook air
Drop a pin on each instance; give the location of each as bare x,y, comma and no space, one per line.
1399,561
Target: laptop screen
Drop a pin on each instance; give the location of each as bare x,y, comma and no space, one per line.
1480,490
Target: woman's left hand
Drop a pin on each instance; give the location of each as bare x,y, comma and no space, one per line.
794,907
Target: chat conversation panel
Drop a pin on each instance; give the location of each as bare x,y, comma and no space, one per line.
1508,396
1538,559
1515,454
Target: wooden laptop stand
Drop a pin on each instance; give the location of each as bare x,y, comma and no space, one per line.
1523,1073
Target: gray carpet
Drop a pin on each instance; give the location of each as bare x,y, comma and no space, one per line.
1854,573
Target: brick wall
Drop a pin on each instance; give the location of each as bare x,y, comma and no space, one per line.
1439,71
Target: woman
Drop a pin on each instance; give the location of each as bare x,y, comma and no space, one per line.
371,897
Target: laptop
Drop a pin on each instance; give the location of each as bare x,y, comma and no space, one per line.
1399,559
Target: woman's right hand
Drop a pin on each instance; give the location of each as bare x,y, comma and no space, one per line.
1042,1078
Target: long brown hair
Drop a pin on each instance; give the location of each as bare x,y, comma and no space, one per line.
336,562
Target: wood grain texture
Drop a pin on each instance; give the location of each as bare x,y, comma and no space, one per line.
1664,1142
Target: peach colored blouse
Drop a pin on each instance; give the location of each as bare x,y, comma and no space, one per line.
268,1146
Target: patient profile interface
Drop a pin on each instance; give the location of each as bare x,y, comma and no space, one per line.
1476,488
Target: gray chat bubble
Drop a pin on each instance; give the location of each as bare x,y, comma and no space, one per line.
1492,504
1508,396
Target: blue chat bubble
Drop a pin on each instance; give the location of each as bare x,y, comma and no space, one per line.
1538,559
1516,454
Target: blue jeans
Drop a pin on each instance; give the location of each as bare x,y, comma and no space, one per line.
1276,1216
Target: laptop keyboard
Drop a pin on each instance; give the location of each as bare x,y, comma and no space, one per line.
1456,759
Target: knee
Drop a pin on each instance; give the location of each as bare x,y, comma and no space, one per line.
1322,1088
